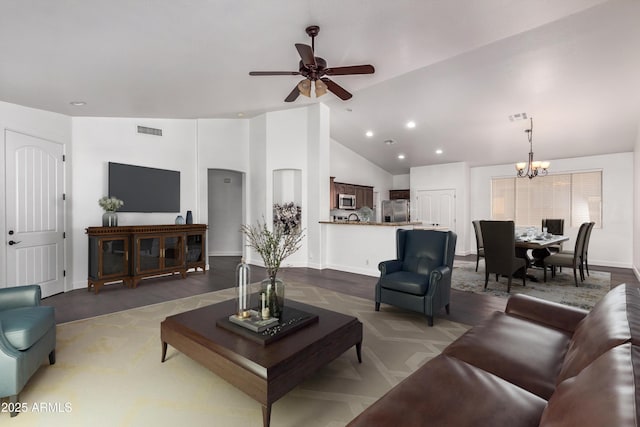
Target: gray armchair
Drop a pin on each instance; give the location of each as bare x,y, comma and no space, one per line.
27,336
420,278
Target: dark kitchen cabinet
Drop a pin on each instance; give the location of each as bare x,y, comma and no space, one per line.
399,195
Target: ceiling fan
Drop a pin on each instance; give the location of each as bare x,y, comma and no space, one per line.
314,69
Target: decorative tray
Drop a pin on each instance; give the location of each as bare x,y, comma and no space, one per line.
291,320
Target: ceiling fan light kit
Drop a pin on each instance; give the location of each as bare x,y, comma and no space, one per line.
314,69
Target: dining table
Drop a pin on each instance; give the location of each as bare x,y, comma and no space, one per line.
524,243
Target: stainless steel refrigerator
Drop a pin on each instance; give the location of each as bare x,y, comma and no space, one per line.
395,211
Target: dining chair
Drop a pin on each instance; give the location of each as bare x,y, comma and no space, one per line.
479,242
569,259
585,250
555,227
500,251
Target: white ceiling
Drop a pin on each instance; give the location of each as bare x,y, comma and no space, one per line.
458,68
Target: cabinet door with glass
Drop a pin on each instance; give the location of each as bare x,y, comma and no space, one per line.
173,251
196,251
147,253
108,260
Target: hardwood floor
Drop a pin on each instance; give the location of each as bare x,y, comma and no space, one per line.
466,307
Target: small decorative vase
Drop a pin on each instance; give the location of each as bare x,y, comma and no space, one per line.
273,291
179,219
110,219
189,217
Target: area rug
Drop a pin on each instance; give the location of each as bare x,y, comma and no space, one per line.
108,371
560,289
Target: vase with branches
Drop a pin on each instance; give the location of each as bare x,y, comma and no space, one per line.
273,246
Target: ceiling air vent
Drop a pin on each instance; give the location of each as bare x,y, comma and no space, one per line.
149,131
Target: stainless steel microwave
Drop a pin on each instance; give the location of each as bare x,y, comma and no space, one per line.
346,201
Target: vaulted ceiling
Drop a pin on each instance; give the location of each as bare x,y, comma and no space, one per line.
457,68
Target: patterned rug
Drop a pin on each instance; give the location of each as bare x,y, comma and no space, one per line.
108,371
560,289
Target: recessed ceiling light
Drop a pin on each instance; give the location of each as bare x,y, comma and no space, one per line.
240,114
411,124
438,151
389,141
78,103
401,156
369,134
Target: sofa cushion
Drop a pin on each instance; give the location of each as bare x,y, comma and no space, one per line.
612,321
524,353
23,327
448,392
602,394
407,282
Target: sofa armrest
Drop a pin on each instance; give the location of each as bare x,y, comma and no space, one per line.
20,296
552,314
391,266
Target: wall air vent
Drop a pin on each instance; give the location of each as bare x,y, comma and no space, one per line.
149,131
519,116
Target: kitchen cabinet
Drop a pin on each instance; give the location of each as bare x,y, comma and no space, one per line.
363,193
399,194
333,196
131,253
342,188
364,196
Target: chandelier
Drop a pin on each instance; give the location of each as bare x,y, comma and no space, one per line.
531,169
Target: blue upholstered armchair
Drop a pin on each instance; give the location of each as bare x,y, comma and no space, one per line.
27,336
420,278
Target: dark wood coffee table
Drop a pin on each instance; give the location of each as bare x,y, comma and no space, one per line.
265,373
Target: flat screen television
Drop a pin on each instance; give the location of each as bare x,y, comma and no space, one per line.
144,189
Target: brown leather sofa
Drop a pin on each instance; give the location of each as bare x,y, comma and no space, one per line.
537,364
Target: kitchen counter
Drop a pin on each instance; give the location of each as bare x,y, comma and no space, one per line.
382,224
358,247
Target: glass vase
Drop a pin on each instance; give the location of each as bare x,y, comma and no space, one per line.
110,219
273,291
243,290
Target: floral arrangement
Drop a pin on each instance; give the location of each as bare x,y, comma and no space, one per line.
110,204
287,215
273,246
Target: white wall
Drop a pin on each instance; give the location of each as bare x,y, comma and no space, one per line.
97,141
451,176
401,182
222,145
42,124
348,166
610,246
636,208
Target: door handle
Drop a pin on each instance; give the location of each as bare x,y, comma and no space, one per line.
11,242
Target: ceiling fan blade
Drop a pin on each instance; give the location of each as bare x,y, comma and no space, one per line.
274,73
353,69
306,53
338,90
293,95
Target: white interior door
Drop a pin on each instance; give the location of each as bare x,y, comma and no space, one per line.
437,207
35,212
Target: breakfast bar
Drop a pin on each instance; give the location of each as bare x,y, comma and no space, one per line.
358,247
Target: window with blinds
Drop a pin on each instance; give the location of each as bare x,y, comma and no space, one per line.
575,197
